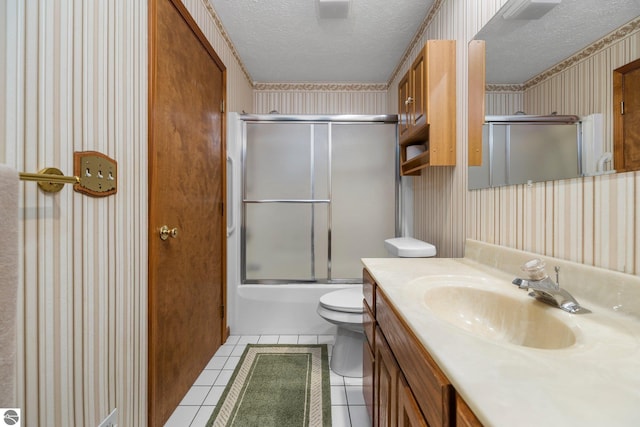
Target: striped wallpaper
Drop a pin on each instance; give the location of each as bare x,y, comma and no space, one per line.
344,100
75,78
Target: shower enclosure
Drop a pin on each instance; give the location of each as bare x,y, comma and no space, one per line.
318,194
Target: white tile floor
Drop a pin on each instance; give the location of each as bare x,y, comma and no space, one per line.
347,401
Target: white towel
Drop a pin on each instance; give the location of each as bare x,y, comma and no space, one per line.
9,186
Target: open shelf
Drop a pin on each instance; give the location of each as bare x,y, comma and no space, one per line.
415,164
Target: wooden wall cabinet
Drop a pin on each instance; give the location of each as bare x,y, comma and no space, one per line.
427,108
403,385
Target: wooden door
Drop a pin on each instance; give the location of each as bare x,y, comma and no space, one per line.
418,89
186,192
626,109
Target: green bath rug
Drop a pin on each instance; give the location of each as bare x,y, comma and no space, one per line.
277,386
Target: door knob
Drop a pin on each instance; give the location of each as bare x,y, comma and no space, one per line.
166,232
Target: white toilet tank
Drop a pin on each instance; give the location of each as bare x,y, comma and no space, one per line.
408,247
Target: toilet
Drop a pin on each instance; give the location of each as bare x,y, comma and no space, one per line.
344,309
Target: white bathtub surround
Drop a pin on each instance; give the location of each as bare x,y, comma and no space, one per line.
594,382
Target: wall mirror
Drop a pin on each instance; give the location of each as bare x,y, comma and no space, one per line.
520,51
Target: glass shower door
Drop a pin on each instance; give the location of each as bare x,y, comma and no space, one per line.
317,197
286,201
363,194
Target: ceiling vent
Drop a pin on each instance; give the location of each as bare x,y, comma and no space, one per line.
528,9
333,9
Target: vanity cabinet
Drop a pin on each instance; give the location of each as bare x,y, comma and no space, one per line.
403,385
427,108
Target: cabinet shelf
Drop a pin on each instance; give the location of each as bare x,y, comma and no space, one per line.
414,165
418,134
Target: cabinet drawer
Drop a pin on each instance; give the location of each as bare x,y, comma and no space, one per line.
369,291
433,392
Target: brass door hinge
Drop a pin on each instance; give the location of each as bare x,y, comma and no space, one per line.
222,106
622,108
222,311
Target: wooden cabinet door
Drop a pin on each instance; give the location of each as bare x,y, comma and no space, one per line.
386,380
404,106
418,92
409,414
368,381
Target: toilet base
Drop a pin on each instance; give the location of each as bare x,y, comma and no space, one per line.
346,356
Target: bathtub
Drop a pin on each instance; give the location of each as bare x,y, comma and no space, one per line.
278,309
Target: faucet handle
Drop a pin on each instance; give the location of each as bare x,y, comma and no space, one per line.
535,269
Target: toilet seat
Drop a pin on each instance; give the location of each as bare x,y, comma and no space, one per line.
345,301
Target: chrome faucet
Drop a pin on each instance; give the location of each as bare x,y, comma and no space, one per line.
544,289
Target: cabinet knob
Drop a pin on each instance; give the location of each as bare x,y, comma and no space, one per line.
408,101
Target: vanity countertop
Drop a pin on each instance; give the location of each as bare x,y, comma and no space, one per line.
594,382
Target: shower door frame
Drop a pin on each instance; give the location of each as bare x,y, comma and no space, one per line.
311,119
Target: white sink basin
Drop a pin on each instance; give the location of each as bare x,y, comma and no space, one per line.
488,313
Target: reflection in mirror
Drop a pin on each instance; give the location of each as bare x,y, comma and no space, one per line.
527,63
525,149
521,49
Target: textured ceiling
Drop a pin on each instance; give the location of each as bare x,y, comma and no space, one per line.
519,50
284,41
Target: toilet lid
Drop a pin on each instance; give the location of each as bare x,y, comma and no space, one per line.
346,300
